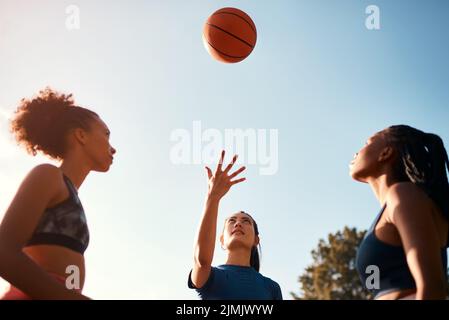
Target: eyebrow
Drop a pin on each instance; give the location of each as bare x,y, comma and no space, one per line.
243,218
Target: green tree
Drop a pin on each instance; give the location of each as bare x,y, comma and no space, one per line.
332,275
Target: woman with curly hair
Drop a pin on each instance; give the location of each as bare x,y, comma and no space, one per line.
44,232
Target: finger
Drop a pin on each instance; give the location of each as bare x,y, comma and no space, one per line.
238,181
209,172
237,172
220,163
229,166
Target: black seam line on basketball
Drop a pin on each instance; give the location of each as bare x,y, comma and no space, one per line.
235,14
248,44
225,54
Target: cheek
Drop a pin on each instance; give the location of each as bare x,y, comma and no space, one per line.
370,157
363,157
249,232
226,234
364,164
98,149
102,146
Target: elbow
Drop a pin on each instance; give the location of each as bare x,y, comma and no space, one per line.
3,259
435,291
202,260
6,258
202,264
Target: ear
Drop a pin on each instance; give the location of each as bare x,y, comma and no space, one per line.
80,135
256,241
222,240
386,154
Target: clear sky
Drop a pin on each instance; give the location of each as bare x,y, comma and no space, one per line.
317,75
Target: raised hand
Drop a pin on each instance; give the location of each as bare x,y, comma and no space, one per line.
221,181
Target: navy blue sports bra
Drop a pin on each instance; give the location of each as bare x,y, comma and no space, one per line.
394,273
64,224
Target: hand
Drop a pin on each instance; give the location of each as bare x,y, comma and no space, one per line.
221,181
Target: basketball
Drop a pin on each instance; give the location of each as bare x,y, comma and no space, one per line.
229,35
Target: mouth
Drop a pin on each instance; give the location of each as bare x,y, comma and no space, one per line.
238,231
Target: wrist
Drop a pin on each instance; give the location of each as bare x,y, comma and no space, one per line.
212,197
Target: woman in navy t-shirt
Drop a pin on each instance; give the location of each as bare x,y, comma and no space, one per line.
239,277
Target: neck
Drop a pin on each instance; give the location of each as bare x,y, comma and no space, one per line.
74,171
380,186
239,257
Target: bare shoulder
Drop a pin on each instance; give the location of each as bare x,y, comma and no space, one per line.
406,191
46,168
406,198
45,176
45,172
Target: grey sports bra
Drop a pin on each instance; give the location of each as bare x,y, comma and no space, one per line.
64,224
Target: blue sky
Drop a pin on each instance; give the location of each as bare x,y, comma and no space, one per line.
317,75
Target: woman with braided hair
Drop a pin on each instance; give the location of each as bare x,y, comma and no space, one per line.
403,254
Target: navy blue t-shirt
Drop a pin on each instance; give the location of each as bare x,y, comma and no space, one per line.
230,282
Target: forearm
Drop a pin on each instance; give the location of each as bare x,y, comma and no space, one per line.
426,292
205,243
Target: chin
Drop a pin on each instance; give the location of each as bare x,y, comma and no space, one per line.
357,176
104,168
236,242
352,174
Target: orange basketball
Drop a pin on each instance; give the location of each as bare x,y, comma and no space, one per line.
229,35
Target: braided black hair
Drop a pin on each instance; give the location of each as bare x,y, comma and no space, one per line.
422,160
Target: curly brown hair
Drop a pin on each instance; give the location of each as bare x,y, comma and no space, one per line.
42,123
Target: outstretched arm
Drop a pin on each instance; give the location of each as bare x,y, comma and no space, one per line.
219,184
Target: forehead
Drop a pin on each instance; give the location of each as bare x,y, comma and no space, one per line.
98,123
239,216
378,136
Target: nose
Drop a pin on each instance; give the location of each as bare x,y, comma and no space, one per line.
355,155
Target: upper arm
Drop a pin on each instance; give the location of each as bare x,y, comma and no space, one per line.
278,292
411,213
200,275
36,191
